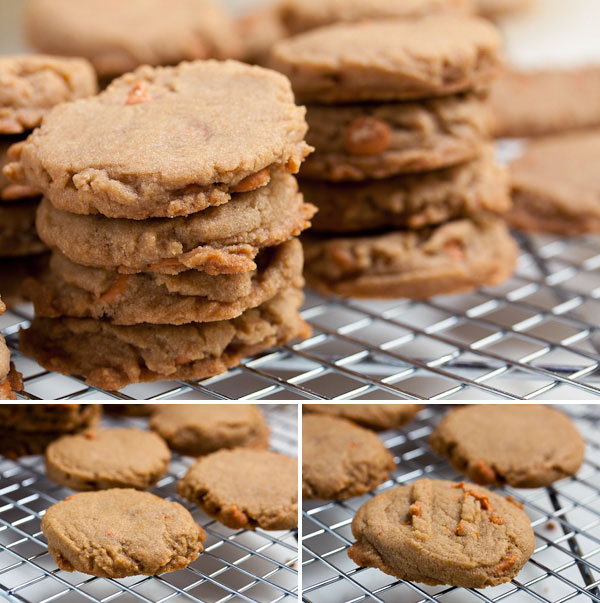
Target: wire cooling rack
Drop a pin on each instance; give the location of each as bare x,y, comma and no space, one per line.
535,337
565,518
237,565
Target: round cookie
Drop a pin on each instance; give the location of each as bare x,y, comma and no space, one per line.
190,297
245,489
549,176
33,84
218,240
410,201
113,356
439,532
390,60
108,458
199,429
128,34
374,416
121,532
340,459
18,236
356,142
208,129
451,258
524,446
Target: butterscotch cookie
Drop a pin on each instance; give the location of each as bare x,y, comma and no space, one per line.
121,532
245,489
303,15
439,532
33,84
190,297
259,31
356,142
520,445
208,129
112,356
451,258
198,429
541,102
108,458
494,9
40,418
8,191
18,236
137,32
218,240
340,459
410,201
390,60
556,185
374,416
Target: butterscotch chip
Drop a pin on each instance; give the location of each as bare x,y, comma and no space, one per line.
137,32
113,356
70,289
525,446
199,429
219,240
33,84
439,532
340,459
107,458
556,186
410,201
18,236
374,416
390,60
224,485
451,258
121,532
86,157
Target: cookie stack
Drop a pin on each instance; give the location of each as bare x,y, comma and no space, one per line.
171,210
29,87
403,174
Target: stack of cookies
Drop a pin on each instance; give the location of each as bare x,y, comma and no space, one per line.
171,212
404,173
29,87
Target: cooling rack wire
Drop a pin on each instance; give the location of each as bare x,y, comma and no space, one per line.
237,565
565,518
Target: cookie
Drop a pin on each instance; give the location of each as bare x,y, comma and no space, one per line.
374,416
18,236
556,185
259,30
541,103
198,429
340,459
33,84
121,532
494,9
245,489
439,532
10,380
411,201
303,15
218,240
8,191
112,356
208,129
190,297
108,458
129,410
451,258
525,446
390,60
138,32
356,142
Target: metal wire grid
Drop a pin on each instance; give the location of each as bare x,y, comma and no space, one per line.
237,565
565,518
535,337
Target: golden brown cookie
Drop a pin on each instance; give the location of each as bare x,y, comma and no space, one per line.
374,416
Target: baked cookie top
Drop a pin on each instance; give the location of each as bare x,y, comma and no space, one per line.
121,532
390,60
439,532
374,416
125,35
525,446
31,85
245,489
207,129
